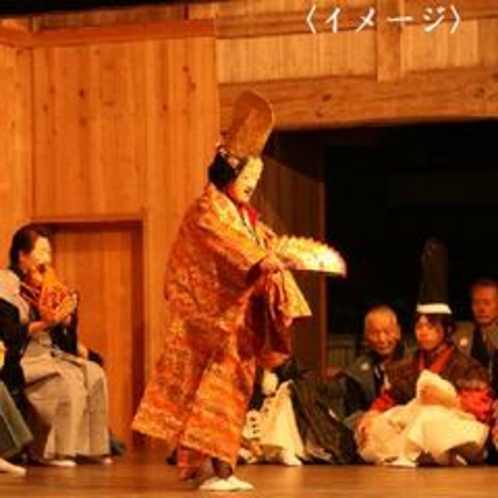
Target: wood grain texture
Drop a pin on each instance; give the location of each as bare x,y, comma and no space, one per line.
89,154
438,50
109,16
104,263
333,102
15,143
267,17
282,57
388,42
146,474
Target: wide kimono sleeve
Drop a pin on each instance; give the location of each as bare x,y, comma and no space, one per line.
474,389
475,393
12,333
236,249
479,402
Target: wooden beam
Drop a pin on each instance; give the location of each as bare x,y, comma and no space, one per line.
109,16
110,34
91,219
468,9
124,33
275,23
284,23
17,23
11,37
294,21
341,101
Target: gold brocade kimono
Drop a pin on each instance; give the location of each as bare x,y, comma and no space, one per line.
218,321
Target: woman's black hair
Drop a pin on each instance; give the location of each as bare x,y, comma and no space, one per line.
446,321
221,173
24,241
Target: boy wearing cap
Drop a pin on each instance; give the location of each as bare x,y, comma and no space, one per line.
436,406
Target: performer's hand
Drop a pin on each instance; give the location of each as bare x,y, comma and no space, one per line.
271,264
269,383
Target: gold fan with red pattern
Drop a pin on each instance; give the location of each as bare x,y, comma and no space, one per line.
48,294
302,253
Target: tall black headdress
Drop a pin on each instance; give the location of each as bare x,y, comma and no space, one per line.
433,293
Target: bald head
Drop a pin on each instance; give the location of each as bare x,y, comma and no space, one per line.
382,331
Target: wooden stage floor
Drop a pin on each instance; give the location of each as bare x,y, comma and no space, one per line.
145,475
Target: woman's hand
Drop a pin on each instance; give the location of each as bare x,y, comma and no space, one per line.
38,326
82,350
63,314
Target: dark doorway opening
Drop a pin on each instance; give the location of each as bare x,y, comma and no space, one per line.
387,190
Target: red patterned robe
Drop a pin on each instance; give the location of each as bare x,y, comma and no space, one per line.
218,322
467,375
407,429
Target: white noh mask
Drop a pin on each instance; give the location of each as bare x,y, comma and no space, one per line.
243,187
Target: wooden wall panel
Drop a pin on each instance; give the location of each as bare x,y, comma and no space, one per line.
440,49
15,143
104,262
388,40
294,56
488,42
269,40
89,153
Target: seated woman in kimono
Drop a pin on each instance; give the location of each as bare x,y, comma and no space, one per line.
436,405
66,394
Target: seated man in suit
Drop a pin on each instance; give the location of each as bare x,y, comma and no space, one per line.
364,378
479,339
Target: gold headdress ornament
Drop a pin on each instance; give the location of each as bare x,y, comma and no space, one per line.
252,123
